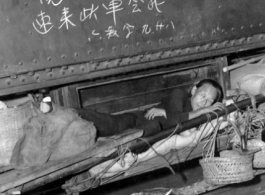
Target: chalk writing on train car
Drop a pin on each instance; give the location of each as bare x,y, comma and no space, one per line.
65,19
89,13
135,5
129,29
53,2
173,26
113,7
111,32
146,29
154,4
159,25
43,24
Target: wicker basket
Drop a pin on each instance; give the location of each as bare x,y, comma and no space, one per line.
11,129
227,170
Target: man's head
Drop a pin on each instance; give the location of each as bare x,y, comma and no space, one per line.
206,93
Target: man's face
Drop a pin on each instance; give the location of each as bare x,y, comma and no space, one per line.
203,96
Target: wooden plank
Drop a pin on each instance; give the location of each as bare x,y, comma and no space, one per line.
15,178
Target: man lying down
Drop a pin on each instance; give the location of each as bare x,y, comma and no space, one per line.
178,107
63,133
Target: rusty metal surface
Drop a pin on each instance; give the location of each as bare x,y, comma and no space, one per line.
41,39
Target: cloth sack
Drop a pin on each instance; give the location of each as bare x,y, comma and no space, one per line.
53,136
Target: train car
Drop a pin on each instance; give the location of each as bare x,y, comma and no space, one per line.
119,56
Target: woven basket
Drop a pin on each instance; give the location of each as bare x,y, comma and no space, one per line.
227,170
11,129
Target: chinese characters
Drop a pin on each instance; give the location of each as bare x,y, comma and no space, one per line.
95,13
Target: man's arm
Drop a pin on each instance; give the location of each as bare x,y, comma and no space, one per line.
201,111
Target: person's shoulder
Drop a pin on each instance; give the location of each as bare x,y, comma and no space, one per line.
180,92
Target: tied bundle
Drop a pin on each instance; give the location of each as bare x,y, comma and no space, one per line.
53,136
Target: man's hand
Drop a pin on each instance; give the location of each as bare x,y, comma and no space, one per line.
201,111
152,113
216,106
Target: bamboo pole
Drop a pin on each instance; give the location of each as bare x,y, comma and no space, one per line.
243,63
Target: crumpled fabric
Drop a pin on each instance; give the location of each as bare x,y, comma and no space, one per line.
53,136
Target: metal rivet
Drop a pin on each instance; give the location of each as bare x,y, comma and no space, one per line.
20,63
160,41
251,26
30,32
138,44
6,66
126,46
50,75
76,54
193,36
72,70
149,43
207,46
89,52
242,40
182,37
249,39
8,82
232,29
225,43
242,27
114,48
49,59
101,50
171,39
35,61
260,24
63,56
22,79
30,73
14,76
37,77
82,68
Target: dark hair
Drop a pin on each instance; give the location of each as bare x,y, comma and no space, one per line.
216,85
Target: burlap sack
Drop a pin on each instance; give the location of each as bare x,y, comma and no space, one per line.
45,133
78,137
